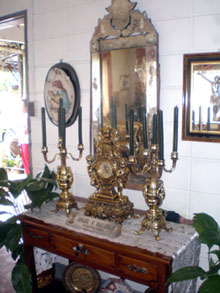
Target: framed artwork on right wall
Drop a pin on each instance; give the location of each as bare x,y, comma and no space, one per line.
201,97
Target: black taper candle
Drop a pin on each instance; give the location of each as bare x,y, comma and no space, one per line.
44,139
112,112
115,117
59,117
200,118
144,125
193,120
80,125
131,132
126,117
63,127
175,129
154,138
208,119
161,140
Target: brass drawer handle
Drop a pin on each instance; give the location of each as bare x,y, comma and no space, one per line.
80,249
137,269
35,236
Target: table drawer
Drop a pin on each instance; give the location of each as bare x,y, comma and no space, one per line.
137,268
36,237
83,251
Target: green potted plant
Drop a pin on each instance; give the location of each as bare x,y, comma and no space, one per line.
209,234
39,190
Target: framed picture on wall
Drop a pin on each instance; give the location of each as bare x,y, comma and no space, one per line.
62,82
201,97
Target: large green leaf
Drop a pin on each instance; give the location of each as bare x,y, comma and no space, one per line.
211,285
18,252
16,187
213,270
38,198
204,222
21,278
6,202
3,174
5,227
186,273
3,191
13,236
208,229
210,238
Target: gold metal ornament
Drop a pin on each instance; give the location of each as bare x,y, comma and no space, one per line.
109,174
80,278
153,190
64,177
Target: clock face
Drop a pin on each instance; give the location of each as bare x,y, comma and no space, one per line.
105,169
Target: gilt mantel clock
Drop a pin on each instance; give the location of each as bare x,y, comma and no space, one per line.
109,173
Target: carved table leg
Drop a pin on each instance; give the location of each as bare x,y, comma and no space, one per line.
29,258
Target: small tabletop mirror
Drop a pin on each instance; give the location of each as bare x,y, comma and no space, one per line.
201,92
124,74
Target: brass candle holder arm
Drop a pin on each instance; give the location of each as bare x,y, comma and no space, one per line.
140,170
174,158
80,149
44,151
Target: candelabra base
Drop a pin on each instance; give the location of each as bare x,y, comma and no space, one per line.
66,203
115,210
155,222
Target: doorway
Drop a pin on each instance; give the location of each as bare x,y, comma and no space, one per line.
14,120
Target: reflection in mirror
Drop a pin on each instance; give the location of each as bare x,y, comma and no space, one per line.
201,97
14,134
125,75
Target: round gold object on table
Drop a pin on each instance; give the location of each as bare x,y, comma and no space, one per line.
80,278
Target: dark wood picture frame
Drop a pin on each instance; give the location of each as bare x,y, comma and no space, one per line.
201,97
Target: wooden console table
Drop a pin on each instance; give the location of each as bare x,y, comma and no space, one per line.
138,258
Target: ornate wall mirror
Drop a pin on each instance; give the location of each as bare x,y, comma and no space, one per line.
124,73
201,93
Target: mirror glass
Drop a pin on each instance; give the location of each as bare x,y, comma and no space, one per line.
124,67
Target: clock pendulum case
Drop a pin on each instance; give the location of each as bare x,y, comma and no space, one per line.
109,174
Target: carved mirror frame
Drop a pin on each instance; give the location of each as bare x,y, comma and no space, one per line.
124,30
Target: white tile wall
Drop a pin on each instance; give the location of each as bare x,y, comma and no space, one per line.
177,200
63,29
204,177
81,46
206,7
206,32
42,6
52,24
171,68
10,6
205,203
175,35
49,51
161,10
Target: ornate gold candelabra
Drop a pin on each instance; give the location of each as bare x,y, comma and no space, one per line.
108,173
64,174
153,166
